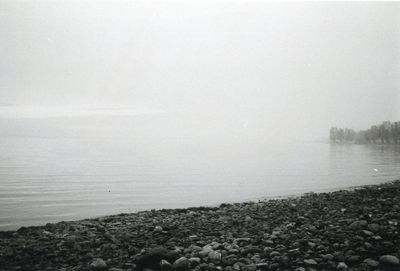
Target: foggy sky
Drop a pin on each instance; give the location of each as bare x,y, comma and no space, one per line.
301,65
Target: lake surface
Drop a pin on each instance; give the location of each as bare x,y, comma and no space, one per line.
54,172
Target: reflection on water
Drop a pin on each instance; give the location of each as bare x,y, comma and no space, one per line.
49,179
364,164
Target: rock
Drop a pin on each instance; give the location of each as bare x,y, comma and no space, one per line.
373,227
341,266
358,224
214,256
328,257
205,251
274,253
310,262
311,244
236,266
250,267
153,257
165,265
194,261
98,264
194,238
163,253
182,263
367,233
195,248
300,269
115,269
389,260
371,262
262,265
241,240
158,229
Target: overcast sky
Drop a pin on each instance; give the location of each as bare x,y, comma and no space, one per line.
303,64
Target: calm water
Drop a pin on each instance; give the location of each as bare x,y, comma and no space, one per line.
70,172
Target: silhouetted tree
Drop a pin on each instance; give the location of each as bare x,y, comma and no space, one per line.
386,132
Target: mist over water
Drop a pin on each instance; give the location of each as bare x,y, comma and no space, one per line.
109,107
74,168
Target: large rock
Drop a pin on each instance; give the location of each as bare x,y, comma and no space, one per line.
181,264
98,264
311,262
205,251
214,256
358,224
165,265
389,260
371,262
153,257
341,266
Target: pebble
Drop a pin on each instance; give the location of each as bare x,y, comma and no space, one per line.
205,251
214,256
181,263
310,262
371,262
98,264
301,233
341,266
358,224
165,265
389,259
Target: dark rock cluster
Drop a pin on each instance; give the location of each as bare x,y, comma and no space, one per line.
345,230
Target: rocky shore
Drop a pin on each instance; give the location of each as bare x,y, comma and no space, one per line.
344,230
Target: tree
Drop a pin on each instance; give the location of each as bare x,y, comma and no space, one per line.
333,133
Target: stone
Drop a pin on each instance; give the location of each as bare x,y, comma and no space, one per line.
358,224
153,257
194,238
196,260
158,229
250,267
310,262
328,257
353,259
274,253
98,264
372,263
389,260
205,251
367,233
341,266
165,265
182,263
373,227
163,253
214,256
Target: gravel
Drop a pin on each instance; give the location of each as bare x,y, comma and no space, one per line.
354,229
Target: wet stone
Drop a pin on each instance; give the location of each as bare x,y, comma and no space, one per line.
389,260
182,263
98,264
371,262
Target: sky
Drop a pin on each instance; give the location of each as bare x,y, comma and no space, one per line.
304,65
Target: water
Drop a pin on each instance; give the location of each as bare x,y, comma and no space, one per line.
52,171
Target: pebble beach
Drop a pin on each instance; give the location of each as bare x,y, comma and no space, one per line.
355,229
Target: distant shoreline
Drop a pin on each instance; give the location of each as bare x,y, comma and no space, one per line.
357,228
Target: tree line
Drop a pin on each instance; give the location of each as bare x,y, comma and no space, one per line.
386,132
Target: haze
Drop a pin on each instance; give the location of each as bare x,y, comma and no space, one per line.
262,67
